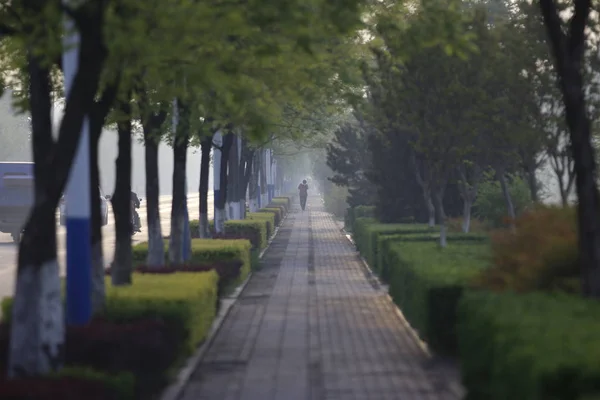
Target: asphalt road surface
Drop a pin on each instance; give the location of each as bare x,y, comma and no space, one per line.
9,250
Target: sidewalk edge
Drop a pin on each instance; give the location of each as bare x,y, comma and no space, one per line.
175,389
455,388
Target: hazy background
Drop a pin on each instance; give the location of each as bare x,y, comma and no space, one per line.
14,146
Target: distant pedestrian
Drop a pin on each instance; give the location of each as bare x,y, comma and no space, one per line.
303,189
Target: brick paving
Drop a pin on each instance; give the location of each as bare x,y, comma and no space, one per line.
311,326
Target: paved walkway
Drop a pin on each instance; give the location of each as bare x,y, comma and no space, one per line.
310,326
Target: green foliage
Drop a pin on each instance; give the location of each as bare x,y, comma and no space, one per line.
276,211
122,384
533,346
187,301
335,201
383,261
490,204
205,252
354,213
284,201
255,231
269,218
370,234
427,281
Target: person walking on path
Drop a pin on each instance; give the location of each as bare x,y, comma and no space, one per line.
303,189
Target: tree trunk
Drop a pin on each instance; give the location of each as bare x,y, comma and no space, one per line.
233,180
222,200
100,110
37,326
467,207
533,185
180,145
121,201
245,173
205,146
98,289
510,208
441,216
430,206
151,124
568,52
263,178
253,191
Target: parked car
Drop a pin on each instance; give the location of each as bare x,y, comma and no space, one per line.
16,196
103,208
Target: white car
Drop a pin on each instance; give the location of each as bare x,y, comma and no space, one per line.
103,208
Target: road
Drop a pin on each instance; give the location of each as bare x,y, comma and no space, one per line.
8,250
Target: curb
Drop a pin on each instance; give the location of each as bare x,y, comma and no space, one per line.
175,389
455,388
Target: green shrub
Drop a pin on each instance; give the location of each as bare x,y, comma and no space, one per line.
426,282
490,204
531,346
195,226
284,201
384,241
269,218
271,210
186,300
360,232
206,251
335,201
373,231
255,231
357,212
280,207
122,384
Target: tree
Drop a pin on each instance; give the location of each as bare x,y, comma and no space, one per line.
37,329
568,50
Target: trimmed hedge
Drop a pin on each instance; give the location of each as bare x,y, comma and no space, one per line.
70,383
275,211
206,251
368,232
269,218
282,209
253,230
282,200
146,329
195,226
384,241
426,282
354,213
530,346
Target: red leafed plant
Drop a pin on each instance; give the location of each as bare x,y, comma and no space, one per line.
540,254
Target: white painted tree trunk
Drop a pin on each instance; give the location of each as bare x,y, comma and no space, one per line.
156,247
98,287
439,208
430,208
466,224
254,204
37,328
220,220
234,210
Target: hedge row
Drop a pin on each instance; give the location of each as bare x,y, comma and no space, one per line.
534,346
146,331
